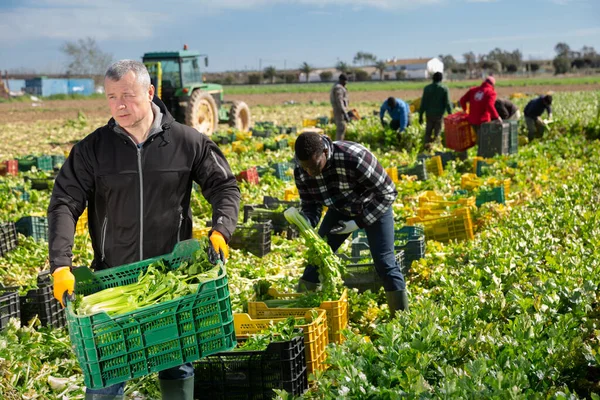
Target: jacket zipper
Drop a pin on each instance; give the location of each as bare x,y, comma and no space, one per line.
139,157
104,226
179,227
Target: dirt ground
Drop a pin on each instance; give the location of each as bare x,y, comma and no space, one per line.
68,109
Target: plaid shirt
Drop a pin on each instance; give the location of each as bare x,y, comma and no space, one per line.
352,182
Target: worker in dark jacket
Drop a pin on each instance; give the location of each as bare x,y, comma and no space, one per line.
533,112
135,175
348,179
507,110
434,103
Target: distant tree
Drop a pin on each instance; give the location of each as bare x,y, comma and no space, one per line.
561,64
512,68
381,66
270,73
470,62
400,75
491,66
534,67
306,69
343,67
254,79
364,58
291,77
228,80
562,49
449,61
86,58
361,75
326,76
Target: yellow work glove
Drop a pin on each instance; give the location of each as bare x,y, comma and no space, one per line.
64,284
219,249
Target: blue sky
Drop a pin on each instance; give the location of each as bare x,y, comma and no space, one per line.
237,34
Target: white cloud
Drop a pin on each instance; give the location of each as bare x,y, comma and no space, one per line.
71,19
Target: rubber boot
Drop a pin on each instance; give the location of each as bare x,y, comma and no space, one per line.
306,286
397,300
95,396
177,389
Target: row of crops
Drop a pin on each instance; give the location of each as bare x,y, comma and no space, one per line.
511,313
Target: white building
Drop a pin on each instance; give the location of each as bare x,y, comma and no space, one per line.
417,68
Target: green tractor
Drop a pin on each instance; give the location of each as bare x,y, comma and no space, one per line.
178,81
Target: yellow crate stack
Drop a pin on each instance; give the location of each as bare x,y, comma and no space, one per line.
443,228
315,334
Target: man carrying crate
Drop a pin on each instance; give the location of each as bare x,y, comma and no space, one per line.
481,100
135,175
348,179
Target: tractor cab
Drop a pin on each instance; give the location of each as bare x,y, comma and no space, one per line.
178,80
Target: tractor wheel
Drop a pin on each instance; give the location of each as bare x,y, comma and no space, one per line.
239,116
201,112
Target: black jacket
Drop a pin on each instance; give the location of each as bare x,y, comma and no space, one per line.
138,199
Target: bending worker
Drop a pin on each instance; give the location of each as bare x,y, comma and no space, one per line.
135,175
348,179
399,112
533,112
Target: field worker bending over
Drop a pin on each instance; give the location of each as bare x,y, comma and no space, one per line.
135,175
533,112
399,112
348,179
507,110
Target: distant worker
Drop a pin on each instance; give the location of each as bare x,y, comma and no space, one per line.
533,111
481,100
507,110
399,112
434,103
339,101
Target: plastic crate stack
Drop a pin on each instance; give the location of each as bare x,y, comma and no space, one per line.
255,239
458,133
408,239
315,330
253,374
472,182
34,226
261,213
283,171
42,163
494,139
479,164
114,349
41,302
8,237
9,305
361,273
444,228
250,175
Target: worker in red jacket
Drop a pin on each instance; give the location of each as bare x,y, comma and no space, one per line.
481,101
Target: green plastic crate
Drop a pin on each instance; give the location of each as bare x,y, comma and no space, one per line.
485,196
116,349
58,160
37,227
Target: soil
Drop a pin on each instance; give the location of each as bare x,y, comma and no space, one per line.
97,108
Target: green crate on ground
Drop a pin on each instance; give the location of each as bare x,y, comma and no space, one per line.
36,227
116,349
513,142
281,170
419,170
58,160
485,196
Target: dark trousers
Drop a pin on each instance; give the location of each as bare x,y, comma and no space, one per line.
380,236
433,127
182,372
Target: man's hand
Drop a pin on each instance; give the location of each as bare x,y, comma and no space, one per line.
218,249
64,284
344,227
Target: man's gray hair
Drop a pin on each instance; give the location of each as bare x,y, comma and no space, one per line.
119,69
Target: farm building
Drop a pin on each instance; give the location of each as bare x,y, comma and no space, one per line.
15,85
44,86
417,68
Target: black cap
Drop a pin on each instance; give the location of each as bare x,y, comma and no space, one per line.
343,77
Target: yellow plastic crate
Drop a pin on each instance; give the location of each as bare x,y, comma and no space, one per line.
433,201
497,182
476,159
82,223
472,182
199,233
393,174
259,146
315,334
243,135
309,122
457,226
337,312
434,165
291,194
